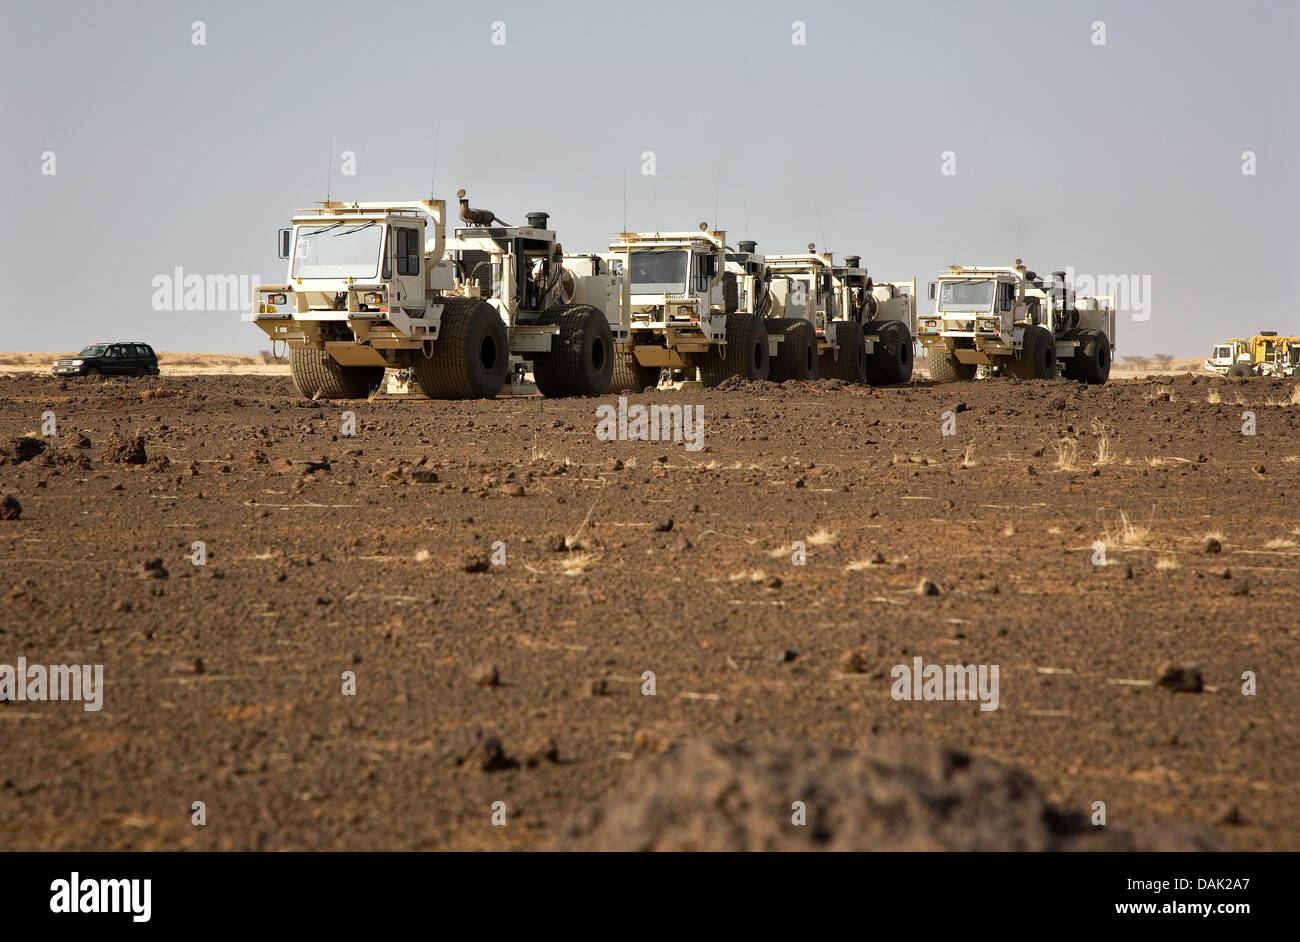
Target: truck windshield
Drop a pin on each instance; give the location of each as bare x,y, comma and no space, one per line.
659,271
97,350
333,251
1223,353
966,296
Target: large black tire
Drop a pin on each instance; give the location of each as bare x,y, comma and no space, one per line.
319,376
891,360
745,355
797,356
849,363
1037,358
581,361
1091,361
471,356
630,376
946,368
1240,370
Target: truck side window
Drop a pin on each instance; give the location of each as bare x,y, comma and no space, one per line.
388,254
701,272
408,251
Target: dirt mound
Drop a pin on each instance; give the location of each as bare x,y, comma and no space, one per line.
740,384
765,387
127,451
22,448
911,795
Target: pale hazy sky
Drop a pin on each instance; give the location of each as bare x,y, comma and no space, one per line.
1117,159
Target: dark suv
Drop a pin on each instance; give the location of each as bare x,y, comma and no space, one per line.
110,359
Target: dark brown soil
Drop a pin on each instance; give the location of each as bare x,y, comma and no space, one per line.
522,683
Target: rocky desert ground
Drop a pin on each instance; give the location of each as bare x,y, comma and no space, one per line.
502,587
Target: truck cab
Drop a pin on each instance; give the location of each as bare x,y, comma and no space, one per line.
1225,355
673,279
360,280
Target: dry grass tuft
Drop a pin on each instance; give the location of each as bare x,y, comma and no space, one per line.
1129,534
1067,452
1105,453
575,564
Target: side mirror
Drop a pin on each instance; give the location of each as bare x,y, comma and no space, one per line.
285,236
934,286
826,284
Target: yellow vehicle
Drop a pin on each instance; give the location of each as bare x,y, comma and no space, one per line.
1264,354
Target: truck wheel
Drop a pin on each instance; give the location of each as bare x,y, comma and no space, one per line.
851,366
891,361
1091,361
745,355
796,357
630,376
471,355
1037,355
946,368
1240,369
581,361
319,376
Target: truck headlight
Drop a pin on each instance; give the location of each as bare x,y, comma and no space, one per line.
277,299
76,362
373,297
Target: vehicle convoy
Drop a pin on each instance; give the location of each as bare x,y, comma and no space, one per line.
378,286
695,305
855,329
1011,321
1264,354
110,359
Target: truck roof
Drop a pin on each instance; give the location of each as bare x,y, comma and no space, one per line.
715,237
